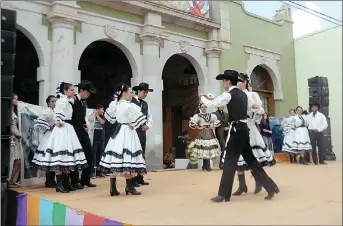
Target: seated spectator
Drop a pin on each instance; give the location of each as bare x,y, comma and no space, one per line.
169,159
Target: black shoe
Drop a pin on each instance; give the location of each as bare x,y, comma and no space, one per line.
323,163
88,184
66,183
50,180
113,187
272,194
242,186
135,182
130,189
219,198
77,186
59,187
141,180
258,188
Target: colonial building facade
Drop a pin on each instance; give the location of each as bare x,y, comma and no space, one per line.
156,38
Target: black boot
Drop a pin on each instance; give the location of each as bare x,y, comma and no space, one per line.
258,187
141,180
303,161
203,164
135,181
74,178
130,189
50,179
291,158
208,165
59,187
295,159
113,188
66,183
242,185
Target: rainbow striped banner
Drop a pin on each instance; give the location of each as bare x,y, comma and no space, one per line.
37,211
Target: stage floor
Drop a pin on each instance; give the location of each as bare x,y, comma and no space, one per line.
310,195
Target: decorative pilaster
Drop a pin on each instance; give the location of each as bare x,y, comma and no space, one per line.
63,17
213,52
152,36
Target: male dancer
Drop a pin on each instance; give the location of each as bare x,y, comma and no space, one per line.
238,102
317,123
142,91
222,131
81,128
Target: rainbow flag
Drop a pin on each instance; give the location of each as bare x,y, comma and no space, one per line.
33,210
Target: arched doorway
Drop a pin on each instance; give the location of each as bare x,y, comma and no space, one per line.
25,82
263,85
105,65
180,99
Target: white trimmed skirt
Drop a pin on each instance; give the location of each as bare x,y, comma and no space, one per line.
298,141
60,150
206,145
123,154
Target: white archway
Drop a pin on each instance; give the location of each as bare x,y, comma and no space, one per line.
125,50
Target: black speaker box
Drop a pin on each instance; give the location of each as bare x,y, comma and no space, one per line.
327,132
8,20
322,101
7,64
318,81
325,111
8,42
320,91
6,87
5,157
6,117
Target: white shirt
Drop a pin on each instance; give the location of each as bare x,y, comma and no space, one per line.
317,122
225,98
149,116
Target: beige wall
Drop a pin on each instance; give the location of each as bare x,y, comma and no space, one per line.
320,54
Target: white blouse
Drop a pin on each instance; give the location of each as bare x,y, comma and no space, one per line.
63,109
46,120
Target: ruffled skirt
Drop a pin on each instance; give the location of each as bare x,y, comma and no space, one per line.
300,141
259,149
206,145
60,150
287,145
123,155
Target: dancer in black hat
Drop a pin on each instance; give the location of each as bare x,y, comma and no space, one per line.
237,103
142,91
317,123
80,124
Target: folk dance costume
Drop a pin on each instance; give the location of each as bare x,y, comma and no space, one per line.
206,144
317,123
63,151
221,134
43,127
143,105
239,142
288,129
258,146
123,154
79,122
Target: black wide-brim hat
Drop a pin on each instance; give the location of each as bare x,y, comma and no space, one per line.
142,86
86,85
231,75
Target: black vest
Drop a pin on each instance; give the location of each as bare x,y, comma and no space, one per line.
79,114
143,105
238,105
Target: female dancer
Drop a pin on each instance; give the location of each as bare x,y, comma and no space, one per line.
301,142
63,151
288,128
206,144
123,154
45,123
259,148
15,154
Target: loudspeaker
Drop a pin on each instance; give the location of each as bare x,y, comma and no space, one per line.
6,117
320,91
7,64
5,157
6,87
8,42
8,20
329,154
323,101
327,132
318,81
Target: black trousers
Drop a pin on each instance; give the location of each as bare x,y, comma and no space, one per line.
239,144
317,138
142,138
87,149
98,149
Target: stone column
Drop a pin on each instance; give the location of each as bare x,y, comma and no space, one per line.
63,18
151,37
213,51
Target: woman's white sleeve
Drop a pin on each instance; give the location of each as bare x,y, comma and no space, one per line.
59,111
135,116
214,120
193,122
110,113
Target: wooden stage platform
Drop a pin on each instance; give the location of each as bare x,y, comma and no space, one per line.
309,195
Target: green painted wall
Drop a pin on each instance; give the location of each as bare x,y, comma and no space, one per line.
257,32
